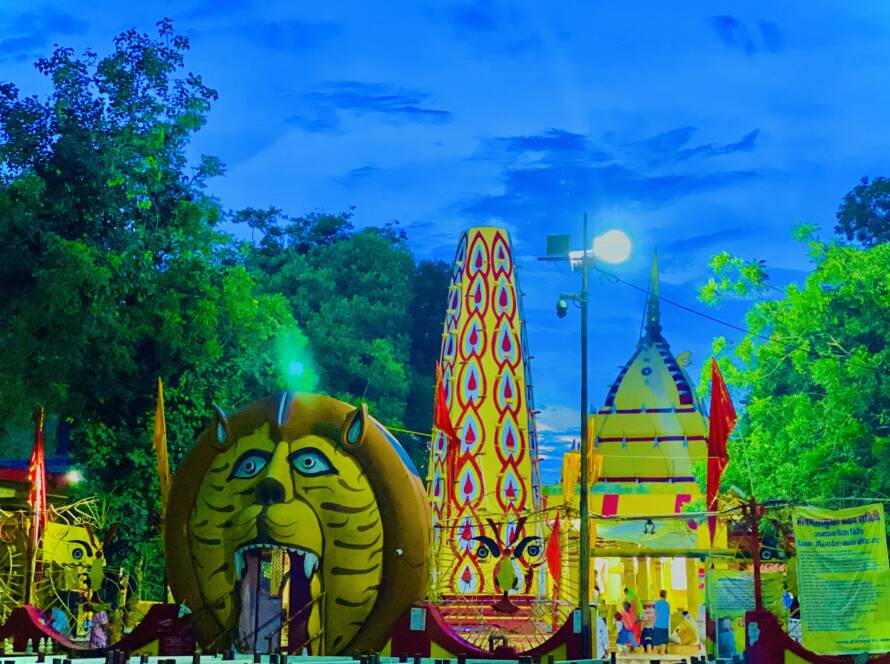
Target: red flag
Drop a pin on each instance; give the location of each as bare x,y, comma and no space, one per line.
723,419
442,421
37,477
552,552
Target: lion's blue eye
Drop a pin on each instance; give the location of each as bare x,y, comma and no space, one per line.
250,464
311,462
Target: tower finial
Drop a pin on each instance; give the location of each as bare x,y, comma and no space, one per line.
653,314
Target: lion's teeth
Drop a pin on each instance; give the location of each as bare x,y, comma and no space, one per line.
310,564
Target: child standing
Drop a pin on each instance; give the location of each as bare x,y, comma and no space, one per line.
626,621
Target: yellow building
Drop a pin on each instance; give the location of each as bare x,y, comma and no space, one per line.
646,439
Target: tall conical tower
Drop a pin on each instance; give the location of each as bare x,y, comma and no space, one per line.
490,486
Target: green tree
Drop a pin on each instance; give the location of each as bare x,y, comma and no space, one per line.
372,315
113,270
864,214
810,376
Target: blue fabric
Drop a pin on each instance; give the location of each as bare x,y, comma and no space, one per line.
662,615
626,637
727,644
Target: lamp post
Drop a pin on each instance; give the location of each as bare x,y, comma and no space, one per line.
584,572
558,249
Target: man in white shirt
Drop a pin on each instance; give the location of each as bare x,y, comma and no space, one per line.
602,637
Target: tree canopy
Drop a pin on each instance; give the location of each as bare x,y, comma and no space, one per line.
115,269
864,214
811,375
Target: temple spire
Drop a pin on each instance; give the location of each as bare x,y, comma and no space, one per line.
653,314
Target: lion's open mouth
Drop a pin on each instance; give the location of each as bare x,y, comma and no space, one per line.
277,588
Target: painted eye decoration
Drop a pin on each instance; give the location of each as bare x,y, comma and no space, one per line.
250,464
530,546
311,462
77,553
487,546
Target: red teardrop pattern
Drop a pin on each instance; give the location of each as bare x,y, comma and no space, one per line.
477,296
508,390
470,438
506,344
502,300
510,492
471,383
511,440
478,263
468,486
474,336
467,576
466,533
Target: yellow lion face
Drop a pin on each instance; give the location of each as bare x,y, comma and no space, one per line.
287,543
268,504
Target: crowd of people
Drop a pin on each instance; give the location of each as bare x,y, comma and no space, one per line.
99,623
635,631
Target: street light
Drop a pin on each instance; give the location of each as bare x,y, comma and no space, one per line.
611,247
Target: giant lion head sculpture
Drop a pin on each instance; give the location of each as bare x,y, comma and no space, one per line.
298,522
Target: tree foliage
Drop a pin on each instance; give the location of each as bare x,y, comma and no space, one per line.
811,378
864,214
371,314
114,271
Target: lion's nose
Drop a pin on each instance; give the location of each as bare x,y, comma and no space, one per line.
269,491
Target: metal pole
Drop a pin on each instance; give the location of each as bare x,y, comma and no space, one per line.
756,513
584,574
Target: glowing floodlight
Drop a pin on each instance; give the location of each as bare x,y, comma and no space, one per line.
612,247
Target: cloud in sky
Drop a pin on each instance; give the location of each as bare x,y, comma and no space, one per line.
286,36
673,146
322,110
735,34
494,27
552,140
533,192
358,175
27,35
548,174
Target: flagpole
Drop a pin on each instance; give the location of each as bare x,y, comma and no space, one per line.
159,442
37,498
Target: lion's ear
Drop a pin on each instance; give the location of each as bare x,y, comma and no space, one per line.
353,431
221,434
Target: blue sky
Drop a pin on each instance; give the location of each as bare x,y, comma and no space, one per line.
694,127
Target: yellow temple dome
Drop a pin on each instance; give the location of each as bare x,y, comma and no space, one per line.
651,428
